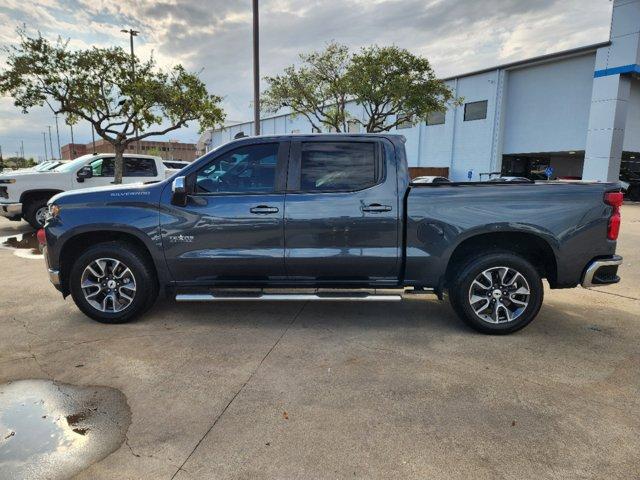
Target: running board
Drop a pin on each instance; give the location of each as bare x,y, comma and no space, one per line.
278,297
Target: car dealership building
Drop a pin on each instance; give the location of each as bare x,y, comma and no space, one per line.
577,111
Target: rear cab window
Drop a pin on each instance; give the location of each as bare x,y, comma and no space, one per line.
339,166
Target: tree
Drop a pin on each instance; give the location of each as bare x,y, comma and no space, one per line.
99,85
392,85
395,87
316,90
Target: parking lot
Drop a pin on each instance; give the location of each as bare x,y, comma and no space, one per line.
345,390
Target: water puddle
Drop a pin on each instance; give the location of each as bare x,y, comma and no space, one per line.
54,430
24,245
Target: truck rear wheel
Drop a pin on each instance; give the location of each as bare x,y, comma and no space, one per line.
497,293
113,282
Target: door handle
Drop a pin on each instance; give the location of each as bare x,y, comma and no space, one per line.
376,208
264,210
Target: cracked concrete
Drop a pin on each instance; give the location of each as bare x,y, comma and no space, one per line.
334,390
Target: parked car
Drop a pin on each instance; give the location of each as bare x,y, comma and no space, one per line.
511,179
329,212
631,181
24,195
430,179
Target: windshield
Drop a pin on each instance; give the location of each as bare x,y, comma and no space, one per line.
45,166
73,165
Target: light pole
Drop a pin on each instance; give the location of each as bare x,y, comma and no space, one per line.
256,69
44,140
73,144
50,141
58,137
133,33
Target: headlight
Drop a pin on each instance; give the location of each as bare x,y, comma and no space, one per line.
7,180
54,210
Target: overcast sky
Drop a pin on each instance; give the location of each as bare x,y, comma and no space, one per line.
213,37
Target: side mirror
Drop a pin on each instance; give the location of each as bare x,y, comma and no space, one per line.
84,172
179,191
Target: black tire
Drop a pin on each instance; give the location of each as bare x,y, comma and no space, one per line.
143,272
31,211
460,292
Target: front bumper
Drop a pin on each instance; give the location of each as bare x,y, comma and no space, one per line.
603,271
10,210
54,276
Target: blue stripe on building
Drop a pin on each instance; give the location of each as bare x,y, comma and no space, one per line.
633,68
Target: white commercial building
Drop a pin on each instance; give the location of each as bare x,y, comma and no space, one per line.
576,111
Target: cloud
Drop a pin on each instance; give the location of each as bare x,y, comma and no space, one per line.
214,37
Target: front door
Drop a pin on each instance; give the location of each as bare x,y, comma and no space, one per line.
231,229
341,220
103,169
135,169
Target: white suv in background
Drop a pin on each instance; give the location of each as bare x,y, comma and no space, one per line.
24,194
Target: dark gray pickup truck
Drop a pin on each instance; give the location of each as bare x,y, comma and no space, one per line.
329,217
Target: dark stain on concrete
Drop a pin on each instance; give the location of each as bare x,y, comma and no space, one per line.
54,430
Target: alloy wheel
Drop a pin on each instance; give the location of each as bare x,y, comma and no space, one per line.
499,295
108,285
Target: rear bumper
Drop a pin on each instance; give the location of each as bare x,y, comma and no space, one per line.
603,271
10,210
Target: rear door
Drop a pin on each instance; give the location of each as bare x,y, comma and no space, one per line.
341,220
231,228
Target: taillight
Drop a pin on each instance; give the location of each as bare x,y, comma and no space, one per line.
42,238
615,200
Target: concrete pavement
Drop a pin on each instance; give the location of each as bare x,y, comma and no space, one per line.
334,390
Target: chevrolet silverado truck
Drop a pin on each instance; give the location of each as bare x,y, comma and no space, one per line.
327,218
24,194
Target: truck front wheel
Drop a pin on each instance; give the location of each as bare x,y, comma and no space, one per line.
113,282
497,293
35,212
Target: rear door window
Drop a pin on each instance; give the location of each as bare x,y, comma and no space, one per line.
338,166
139,167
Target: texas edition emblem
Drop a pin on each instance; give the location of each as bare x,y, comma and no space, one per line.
180,238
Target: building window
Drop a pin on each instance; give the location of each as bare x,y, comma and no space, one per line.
435,118
406,124
475,111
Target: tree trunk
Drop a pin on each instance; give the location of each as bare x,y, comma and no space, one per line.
119,163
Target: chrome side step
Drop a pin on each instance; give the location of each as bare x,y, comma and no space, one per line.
279,297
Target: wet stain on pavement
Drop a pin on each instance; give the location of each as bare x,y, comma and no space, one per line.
25,245
55,430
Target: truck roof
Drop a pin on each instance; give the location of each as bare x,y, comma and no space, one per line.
394,136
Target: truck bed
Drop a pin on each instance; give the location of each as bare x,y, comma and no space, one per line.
571,217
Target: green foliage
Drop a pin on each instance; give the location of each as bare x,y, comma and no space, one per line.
99,86
392,85
395,86
317,89
17,162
